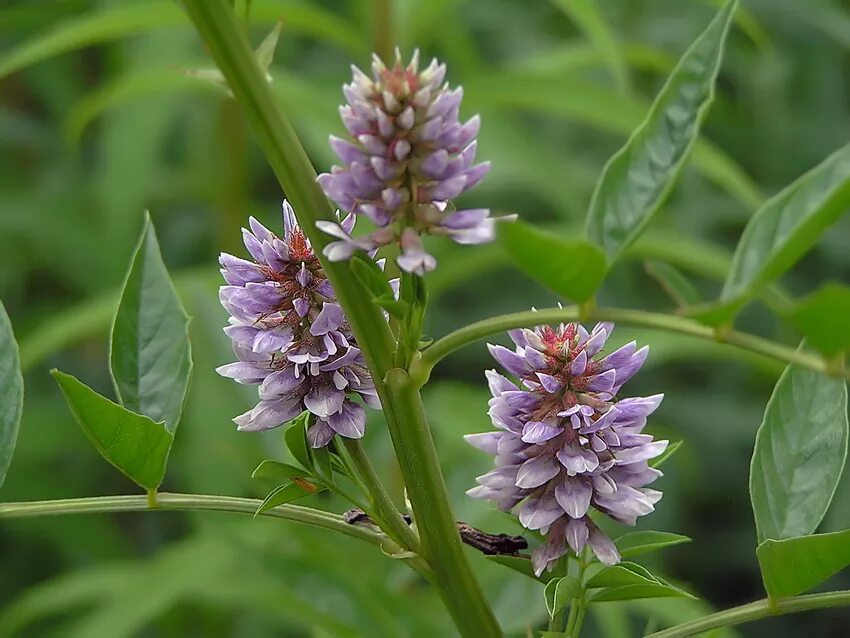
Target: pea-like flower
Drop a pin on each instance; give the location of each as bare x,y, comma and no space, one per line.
408,156
566,443
291,336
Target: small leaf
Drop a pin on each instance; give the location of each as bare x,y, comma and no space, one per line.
822,318
636,543
277,471
799,453
321,458
646,590
398,309
794,565
624,573
571,268
672,448
295,437
674,283
281,495
11,393
133,443
371,276
637,179
522,565
265,52
150,355
559,592
788,225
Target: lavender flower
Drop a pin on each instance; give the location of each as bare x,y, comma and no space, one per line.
407,158
291,337
566,443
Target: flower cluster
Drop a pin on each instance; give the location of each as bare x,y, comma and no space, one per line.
407,158
566,443
291,337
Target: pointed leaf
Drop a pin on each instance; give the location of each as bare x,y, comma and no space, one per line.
277,471
150,355
131,442
788,225
822,318
571,268
559,592
371,276
672,448
11,393
295,437
794,565
281,495
636,543
799,453
646,590
265,52
624,573
522,565
637,179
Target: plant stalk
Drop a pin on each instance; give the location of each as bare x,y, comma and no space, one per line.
421,369
755,611
453,577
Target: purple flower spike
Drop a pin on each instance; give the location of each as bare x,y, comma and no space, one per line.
291,337
407,157
565,444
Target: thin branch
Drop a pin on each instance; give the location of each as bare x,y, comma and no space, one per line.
441,348
755,611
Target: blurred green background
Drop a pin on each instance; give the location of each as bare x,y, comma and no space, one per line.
98,122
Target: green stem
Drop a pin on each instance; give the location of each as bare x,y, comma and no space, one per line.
441,348
453,577
755,611
382,24
440,542
169,501
386,509
579,606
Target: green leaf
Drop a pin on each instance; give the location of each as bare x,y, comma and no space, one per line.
522,565
559,592
659,589
280,495
624,573
788,225
295,437
322,462
637,179
636,543
150,355
799,453
674,283
822,318
265,52
396,308
672,448
370,275
11,393
133,443
794,565
571,268
277,471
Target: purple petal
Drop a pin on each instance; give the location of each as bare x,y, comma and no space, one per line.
324,400
536,471
538,432
350,422
573,494
510,361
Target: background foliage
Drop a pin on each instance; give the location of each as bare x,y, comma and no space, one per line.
98,122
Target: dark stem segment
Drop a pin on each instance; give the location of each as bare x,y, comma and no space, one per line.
489,544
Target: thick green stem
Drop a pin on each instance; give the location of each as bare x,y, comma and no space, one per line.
386,510
452,575
755,611
441,545
441,348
